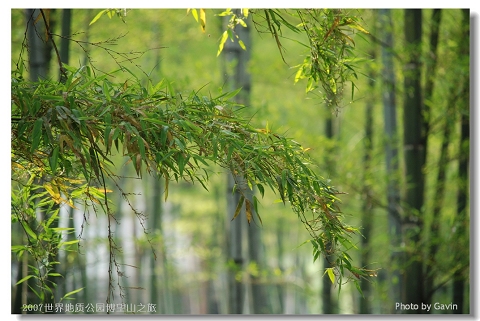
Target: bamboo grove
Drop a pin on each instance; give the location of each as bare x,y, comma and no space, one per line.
64,134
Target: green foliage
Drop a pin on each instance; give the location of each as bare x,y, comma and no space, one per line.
330,61
66,135
121,13
43,240
237,17
203,17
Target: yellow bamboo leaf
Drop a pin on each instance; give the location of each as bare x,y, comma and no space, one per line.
195,14
52,190
248,210
239,207
17,165
203,19
71,204
105,190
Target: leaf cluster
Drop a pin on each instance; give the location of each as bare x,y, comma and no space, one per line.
43,238
329,62
68,133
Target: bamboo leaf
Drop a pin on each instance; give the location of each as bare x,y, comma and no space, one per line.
240,42
231,94
358,288
138,164
316,254
261,189
94,162
106,91
242,23
195,14
36,134
239,207
98,16
24,279
52,218
141,147
203,19
280,188
255,206
166,187
53,159
52,190
359,28
248,210
69,242
71,293
222,42
331,274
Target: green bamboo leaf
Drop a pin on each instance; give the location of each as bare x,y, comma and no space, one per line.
181,163
284,178
280,188
52,218
141,147
231,94
24,279
299,74
231,148
194,127
61,229
331,274
107,136
222,42
159,86
261,189
155,121
358,288
53,159
37,294
29,230
17,248
69,242
106,91
73,84
93,161
303,243
36,134
240,42
71,293
285,22
316,254
347,262
98,16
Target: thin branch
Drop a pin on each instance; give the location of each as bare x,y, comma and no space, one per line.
49,33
